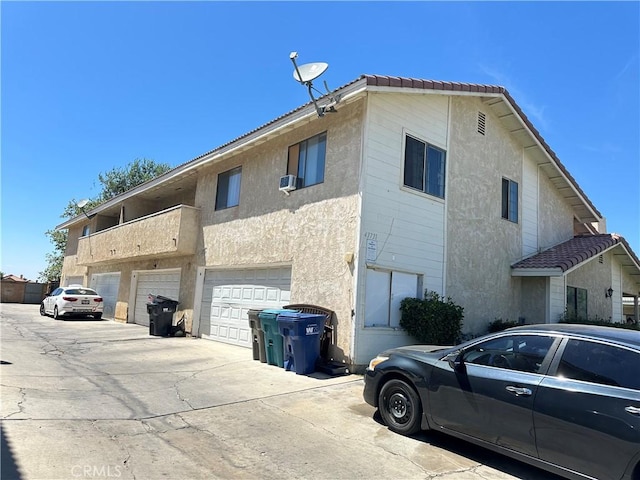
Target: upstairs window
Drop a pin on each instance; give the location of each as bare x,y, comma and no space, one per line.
86,230
306,160
510,200
228,193
424,167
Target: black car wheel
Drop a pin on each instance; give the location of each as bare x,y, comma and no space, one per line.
400,407
42,312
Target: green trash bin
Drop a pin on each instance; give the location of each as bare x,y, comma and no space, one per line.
273,341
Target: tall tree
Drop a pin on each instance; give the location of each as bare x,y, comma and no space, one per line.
114,182
119,180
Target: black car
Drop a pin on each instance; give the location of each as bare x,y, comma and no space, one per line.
563,397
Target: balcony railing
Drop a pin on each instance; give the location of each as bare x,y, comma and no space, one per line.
169,233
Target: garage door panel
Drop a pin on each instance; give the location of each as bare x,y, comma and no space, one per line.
107,285
166,284
229,295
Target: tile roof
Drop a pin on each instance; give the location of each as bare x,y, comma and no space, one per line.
14,278
389,82
570,253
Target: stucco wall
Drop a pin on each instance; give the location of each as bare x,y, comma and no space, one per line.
70,267
481,245
311,229
591,276
555,215
532,297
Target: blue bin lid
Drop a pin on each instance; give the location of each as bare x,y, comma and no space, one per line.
295,315
274,312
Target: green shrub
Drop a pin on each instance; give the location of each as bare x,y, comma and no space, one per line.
498,325
433,321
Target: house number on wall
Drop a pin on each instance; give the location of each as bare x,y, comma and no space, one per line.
372,250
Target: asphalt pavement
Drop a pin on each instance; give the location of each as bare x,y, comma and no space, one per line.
101,399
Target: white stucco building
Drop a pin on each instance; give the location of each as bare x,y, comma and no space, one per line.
410,185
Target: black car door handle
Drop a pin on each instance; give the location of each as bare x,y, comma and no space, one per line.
519,391
633,410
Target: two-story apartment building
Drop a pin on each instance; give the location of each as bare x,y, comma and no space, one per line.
411,185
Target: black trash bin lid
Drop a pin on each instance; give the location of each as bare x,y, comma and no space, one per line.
161,299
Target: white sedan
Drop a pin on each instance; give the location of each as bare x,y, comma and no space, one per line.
72,300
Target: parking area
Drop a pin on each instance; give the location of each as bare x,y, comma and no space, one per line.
99,399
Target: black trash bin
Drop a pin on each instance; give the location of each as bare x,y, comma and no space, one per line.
257,333
161,310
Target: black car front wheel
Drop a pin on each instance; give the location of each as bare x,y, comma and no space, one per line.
42,312
400,407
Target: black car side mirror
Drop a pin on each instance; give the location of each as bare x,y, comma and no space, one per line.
455,361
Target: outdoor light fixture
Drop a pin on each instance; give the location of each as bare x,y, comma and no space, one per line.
608,292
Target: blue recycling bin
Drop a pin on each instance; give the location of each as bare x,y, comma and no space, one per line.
301,340
273,341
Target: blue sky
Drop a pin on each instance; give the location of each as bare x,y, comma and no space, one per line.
89,86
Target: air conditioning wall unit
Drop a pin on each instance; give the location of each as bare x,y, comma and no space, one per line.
287,183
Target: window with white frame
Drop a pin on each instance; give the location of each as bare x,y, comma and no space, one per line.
510,200
86,230
384,290
228,192
424,167
306,160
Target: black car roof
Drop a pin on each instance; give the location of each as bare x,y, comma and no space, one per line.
620,335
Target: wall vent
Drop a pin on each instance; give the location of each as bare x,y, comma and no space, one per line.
600,259
482,122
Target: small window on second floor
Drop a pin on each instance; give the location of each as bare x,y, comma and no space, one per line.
510,200
306,160
228,193
424,167
86,230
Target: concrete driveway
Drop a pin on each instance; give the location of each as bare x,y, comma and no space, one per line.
99,399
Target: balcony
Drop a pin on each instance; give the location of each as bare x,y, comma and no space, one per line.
169,233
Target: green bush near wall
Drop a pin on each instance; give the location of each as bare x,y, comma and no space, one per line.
498,325
433,321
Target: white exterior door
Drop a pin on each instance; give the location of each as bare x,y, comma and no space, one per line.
107,284
229,294
163,282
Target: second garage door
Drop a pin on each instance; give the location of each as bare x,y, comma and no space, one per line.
165,283
106,284
229,294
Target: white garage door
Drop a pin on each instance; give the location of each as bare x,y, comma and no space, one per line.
106,284
165,283
228,295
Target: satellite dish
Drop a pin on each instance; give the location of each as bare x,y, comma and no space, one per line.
309,71
306,74
83,203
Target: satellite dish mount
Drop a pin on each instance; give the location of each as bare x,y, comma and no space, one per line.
306,74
